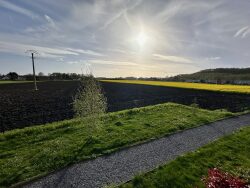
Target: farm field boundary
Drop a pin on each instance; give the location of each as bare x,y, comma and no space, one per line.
21,106
200,86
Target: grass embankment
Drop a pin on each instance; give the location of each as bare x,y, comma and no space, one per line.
37,150
230,154
200,86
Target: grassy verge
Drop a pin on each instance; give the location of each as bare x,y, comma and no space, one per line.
13,82
34,151
230,154
200,86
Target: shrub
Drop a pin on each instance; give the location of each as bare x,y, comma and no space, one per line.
12,75
218,179
89,102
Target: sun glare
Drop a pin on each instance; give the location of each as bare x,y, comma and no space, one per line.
141,39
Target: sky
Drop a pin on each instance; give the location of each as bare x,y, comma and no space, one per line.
119,38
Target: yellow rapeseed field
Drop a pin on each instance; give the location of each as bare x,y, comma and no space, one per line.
211,87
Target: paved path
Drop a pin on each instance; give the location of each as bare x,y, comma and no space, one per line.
125,164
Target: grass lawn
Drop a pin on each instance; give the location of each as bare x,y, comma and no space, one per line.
13,82
35,151
211,87
230,154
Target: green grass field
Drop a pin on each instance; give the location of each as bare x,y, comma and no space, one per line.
35,151
230,154
210,87
13,82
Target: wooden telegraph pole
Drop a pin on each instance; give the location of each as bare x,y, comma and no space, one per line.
33,52
34,71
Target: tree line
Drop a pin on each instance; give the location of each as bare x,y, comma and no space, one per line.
219,75
225,75
41,76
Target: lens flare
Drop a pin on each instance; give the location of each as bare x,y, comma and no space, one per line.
141,39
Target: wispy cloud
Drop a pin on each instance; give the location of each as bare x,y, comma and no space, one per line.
243,32
213,58
175,59
50,21
47,25
6,4
117,63
73,62
88,52
17,48
112,19
120,13
103,62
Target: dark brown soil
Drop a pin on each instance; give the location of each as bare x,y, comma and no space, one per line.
21,106
124,96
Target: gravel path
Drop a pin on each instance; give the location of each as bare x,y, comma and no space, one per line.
123,165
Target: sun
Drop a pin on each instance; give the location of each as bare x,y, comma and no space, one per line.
141,39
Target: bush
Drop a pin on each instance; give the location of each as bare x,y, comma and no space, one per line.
12,75
218,179
90,103
89,100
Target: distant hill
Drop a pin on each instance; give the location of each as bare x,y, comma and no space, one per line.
221,75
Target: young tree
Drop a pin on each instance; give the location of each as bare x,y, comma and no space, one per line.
41,74
89,102
12,75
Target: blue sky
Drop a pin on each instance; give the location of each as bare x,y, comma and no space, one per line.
124,37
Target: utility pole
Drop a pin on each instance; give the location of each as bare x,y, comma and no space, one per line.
33,52
34,71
